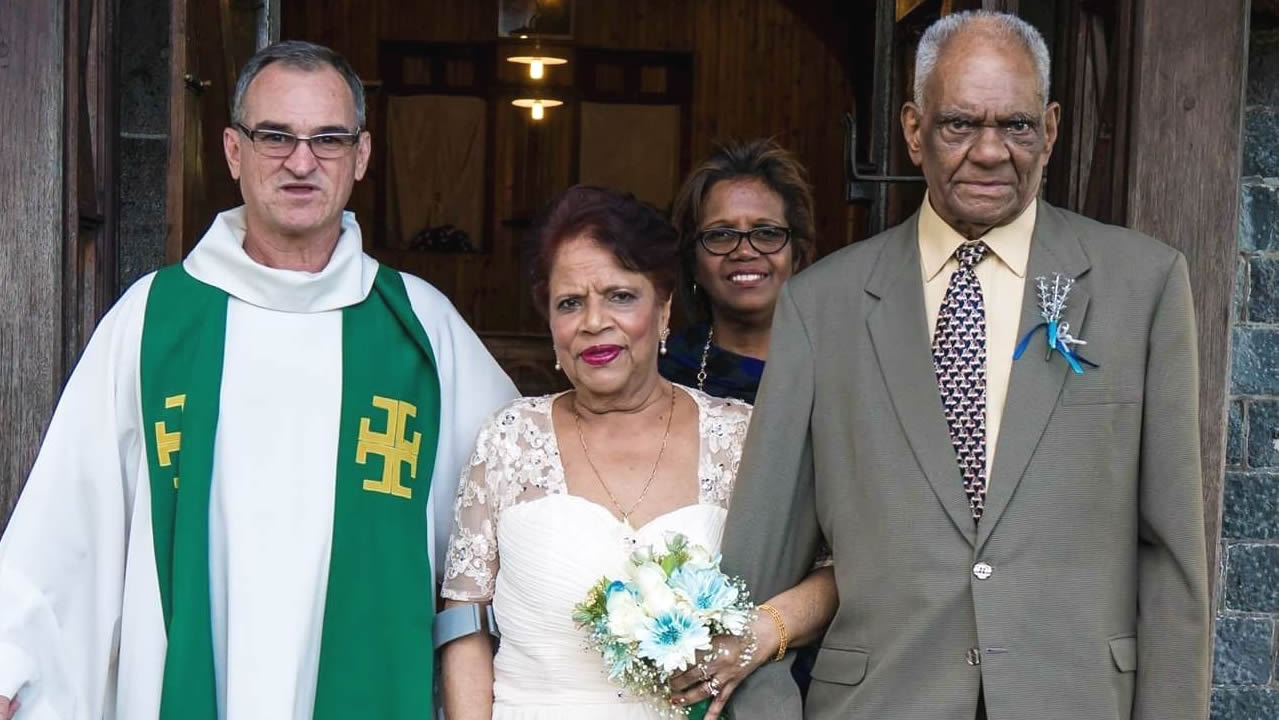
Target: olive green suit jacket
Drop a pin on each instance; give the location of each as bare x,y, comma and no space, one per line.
1082,594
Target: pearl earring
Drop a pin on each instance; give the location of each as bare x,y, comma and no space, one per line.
557,357
662,342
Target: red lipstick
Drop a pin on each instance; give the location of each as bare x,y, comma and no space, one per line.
598,355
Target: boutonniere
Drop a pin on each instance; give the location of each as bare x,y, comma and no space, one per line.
1052,297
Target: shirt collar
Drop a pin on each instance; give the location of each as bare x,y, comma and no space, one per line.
219,259
939,241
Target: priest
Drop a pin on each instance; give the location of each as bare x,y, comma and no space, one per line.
245,492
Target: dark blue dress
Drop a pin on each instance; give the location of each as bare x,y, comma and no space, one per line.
728,374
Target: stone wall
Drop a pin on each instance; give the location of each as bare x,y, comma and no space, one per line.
144,136
1244,662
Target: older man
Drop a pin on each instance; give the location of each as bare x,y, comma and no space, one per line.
1015,517
239,499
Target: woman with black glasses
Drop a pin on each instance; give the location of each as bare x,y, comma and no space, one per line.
745,218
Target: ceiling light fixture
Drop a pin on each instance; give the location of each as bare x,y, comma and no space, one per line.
537,106
537,62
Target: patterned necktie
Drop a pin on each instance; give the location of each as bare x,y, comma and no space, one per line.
960,363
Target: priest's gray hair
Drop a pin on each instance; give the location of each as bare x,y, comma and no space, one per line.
995,24
297,55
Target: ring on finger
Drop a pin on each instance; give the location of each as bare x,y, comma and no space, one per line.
713,686
703,669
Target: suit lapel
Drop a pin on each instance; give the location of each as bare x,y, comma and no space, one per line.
897,326
1035,384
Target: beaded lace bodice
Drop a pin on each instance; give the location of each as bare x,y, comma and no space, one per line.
517,461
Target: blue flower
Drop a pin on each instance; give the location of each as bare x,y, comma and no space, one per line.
672,640
707,590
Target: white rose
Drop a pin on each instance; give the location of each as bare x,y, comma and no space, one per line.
655,596
625,615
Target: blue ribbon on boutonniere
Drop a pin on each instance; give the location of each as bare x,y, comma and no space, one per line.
1053,303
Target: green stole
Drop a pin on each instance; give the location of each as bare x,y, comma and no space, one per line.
376,650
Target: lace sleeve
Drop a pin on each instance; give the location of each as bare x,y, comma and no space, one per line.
472,563
723,426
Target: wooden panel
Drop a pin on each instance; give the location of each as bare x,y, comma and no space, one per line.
761,68
90,205
640,25
632,146
31,236
209,43
1093,72
1184,183
760,71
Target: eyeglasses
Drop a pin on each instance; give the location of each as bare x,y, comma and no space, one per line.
280,144
766,240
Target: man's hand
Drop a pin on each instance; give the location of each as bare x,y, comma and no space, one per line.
8,708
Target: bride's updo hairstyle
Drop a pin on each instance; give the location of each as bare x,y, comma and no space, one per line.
637,233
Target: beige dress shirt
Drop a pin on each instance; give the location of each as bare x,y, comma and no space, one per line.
1002,275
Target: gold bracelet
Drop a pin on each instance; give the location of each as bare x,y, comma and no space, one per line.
782,630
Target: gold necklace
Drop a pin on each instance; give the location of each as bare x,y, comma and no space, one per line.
626,514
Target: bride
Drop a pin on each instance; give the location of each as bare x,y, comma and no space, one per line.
562,488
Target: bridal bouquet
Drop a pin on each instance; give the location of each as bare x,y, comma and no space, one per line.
650,625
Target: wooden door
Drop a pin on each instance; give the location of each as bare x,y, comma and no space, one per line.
881,174
211,41
57,198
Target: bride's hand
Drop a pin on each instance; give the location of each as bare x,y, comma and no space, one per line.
722,668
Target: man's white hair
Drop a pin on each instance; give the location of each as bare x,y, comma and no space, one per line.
1001,25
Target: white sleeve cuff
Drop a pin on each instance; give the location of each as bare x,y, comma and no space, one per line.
16,669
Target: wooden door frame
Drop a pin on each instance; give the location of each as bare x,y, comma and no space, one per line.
1186,133
90,192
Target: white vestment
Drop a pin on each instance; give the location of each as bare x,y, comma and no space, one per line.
81,627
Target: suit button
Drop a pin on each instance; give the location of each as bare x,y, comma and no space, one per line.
982,571
973,656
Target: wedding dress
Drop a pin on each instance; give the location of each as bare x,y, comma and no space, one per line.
522,542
